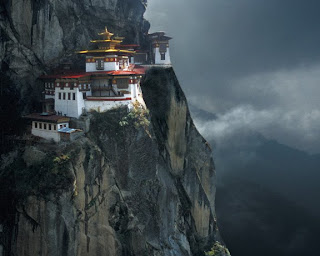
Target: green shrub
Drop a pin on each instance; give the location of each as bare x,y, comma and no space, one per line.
138,116
217,250
52,175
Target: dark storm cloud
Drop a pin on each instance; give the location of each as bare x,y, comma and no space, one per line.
241,36
254,61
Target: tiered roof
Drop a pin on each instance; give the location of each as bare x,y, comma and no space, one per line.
107,45
133,70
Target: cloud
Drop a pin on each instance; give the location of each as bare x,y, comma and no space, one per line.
254,63
282,105
295,128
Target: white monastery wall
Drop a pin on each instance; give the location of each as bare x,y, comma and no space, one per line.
108,66
91,67
133,89
102,106
158,60
69,102
42,129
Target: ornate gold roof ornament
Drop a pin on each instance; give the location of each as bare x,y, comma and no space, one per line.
107,34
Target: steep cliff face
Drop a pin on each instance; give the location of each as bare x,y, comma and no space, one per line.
35,35
127,188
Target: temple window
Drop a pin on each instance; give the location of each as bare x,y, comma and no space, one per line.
69,96
50,127
45,126
54,127
64,95
100,64
35,125
163,56
40,125
73,96
59,95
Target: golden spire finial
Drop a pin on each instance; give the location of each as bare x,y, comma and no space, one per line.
106,33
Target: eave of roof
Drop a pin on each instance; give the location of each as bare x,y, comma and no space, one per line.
106,41
135,70
70,75
105,51
48,118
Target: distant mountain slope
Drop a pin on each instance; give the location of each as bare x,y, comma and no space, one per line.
247,154
267,194
255,221
284,170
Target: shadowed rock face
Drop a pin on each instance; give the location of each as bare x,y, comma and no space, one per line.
124,190
146,190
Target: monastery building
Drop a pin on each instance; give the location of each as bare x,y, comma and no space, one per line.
112,76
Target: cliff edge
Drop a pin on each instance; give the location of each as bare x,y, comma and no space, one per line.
139,183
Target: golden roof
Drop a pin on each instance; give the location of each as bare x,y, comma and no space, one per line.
105,51
106,33
107,45
106,41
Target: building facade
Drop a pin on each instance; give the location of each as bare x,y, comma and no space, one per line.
112,77
110,80
160,48
48,126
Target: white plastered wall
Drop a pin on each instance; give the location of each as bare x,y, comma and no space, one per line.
107,66
46,133
72,108
102,106
158,60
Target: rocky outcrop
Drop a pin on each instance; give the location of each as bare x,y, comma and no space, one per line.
138,184
127,188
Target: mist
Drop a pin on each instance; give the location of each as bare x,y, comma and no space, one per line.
250,70
255,61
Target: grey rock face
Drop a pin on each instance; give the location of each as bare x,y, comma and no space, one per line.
133,190
127,191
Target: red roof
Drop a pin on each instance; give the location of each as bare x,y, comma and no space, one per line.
48,118
133,70
125,72
69,75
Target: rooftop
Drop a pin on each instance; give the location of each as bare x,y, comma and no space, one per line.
45,117
159,36
133,70
68,130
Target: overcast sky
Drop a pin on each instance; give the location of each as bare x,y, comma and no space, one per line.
256,63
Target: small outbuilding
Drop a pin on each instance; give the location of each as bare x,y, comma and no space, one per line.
47,126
